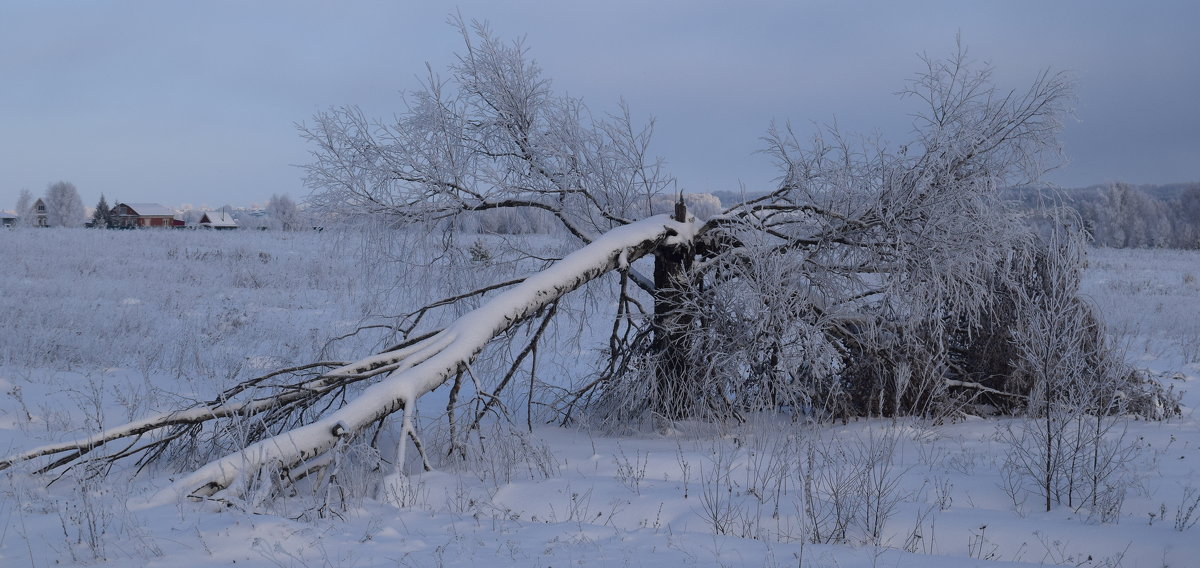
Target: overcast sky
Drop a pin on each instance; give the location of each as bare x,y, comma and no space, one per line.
196,102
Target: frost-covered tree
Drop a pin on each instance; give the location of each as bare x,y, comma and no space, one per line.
64,207
493,135
873,279
1071,447
282,213
25,214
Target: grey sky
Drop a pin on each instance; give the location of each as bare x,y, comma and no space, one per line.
195,102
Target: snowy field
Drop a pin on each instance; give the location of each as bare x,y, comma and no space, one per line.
101,327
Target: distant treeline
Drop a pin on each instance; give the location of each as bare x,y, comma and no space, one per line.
1121,215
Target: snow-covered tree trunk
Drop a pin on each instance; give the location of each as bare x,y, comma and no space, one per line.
671,348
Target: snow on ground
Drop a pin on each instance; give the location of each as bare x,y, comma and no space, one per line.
104,327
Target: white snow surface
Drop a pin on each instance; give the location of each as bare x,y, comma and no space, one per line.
75,359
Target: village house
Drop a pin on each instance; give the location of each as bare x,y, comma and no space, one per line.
139,215
7,219
217,220
39,214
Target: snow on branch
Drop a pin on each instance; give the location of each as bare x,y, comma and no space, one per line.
427,364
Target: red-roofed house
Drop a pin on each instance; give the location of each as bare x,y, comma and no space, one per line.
138,215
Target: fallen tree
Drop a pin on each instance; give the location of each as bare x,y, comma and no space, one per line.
872,281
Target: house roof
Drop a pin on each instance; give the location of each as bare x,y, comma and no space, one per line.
150,209
218,219
7,215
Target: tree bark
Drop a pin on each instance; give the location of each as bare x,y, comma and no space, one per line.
672,324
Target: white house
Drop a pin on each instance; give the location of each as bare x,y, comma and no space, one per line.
217,220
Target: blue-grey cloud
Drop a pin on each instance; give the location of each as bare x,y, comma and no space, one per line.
186,102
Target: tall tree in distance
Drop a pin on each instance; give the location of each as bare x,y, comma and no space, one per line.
25,208
282,213
102,216
64,208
